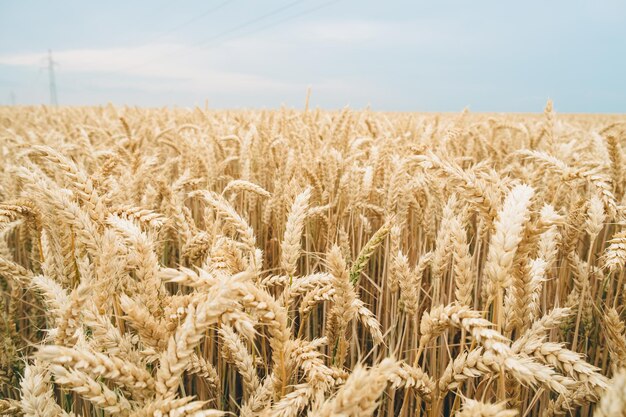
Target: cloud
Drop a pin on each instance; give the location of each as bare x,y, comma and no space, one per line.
266,67
166,73
157,67
252,64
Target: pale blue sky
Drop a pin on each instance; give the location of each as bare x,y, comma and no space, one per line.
393,55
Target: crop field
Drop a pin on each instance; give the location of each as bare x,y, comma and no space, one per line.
174,262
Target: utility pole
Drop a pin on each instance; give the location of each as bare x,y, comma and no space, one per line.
53,85
13,100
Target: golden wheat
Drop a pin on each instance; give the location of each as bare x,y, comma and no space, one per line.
284,263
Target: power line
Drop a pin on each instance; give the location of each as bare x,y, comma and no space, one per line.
278,22
218,35
248,23
51,79
159,9
193,19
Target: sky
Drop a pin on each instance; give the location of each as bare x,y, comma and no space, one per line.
496,56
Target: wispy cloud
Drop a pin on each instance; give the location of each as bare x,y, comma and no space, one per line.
242,64
440,55
263,68
155,67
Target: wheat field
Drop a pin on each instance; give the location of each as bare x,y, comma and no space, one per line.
170,262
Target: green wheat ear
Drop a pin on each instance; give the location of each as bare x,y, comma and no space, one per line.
368,250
